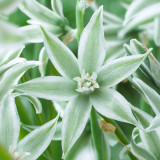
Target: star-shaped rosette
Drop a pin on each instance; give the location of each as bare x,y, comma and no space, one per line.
32,145
85,81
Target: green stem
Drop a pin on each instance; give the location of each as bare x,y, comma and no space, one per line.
120,135
98,137
79,19
40,119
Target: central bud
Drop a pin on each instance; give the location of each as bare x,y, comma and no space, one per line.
19,155
86,83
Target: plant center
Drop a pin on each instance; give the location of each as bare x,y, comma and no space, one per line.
18,155
86,83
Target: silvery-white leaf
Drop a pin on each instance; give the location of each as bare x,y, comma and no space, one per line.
61,56
4,67
9,35
74,121
139,151
117,70
157,31
57,136
40,13
137,47
135,7
83,149
91,50
57,7
9,122
8,55
155,69
12,76
150,140
36,142
113,105
50,87
141,17
43,58
155,123
35,101
153,98
32,33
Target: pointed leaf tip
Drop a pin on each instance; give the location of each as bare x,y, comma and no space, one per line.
91,50
38,140
56,49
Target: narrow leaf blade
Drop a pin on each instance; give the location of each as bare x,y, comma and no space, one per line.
60,55
51,87
91,47
113,105
38,140
9,122
74,121
117,70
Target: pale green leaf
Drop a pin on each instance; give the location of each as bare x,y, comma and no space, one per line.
157,31
91,47
43,58
35,101
9,122
155,69
4,67
9,35
83,149
38,140
51,87
139,151
57,135
32,33
57,7
113,105
29,128
128,49
8,55
117,70
12,76
151,140
74,121
152,97
137,6
155,124
142,116
40,13
61,56
137,47
142,17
